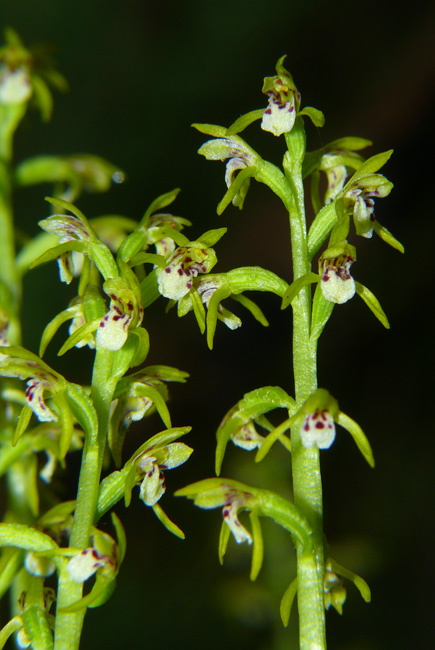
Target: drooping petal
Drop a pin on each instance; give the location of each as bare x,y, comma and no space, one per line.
35,399
112,331
336,177
229,513
153,486
363,216
175,280
38,566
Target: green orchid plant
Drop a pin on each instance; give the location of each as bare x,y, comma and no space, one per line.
120,267
352,185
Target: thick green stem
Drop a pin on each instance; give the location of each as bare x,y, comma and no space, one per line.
307,484
69,625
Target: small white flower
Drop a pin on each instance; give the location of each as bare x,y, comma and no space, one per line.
152,469
176,279
318,429
15,86
247,437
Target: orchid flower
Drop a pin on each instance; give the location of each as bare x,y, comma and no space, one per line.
284,101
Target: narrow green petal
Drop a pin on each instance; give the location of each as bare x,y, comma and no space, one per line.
224,537
274,435
387,237
52,327
168,524
233,190
258,546
359,582
211,129
287,601
77,336
297,286
316,116
245,120
372,165
358,435
253,308
372,303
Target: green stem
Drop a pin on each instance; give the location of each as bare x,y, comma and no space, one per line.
69,625
307,484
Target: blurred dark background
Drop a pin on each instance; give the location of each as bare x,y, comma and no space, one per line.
140,73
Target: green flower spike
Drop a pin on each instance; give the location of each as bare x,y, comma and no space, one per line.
234,497
284,101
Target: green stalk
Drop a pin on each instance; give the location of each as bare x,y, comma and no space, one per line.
307,484
69,625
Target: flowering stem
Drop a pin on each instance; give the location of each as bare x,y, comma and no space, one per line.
307,485
69,625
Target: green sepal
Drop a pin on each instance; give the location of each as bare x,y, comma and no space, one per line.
224,538
142,345
320,228
11,561
148,258
57,251
211,237
43,97
287,601
160,202
168,524
351,143
244,121
149,289
297,286
359,582
211,129
166,373
251,406
198,309
37,627
26,538
316,116
371,166
387,237
322,311
358,435
258,545
158,400
255,278
274,435
372,303
255,310
77,336
52,327
99,594
235,188
212,312
22,423
341,228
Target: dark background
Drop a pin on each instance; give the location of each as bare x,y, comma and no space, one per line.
140,73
